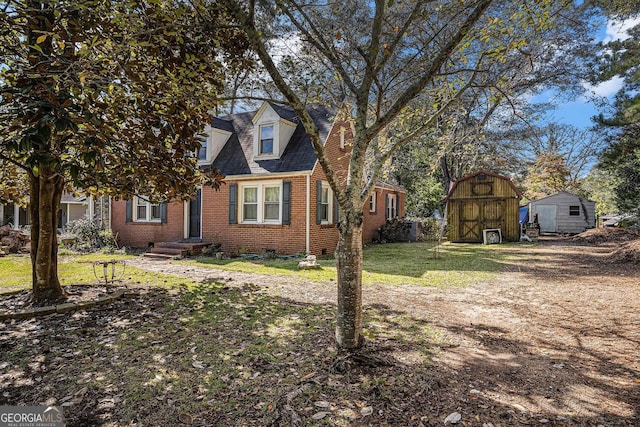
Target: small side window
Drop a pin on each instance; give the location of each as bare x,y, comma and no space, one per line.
574,210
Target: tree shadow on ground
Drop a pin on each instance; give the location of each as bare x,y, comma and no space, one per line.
235,356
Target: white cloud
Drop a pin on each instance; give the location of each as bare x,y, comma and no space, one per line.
617,30
606,89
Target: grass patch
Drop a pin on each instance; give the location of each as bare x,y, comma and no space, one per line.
15,271
394,264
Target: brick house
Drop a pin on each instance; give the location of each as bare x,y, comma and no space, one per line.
275,195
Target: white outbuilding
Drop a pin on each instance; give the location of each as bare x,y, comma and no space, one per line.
563,213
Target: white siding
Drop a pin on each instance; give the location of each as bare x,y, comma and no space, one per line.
77,212
566,223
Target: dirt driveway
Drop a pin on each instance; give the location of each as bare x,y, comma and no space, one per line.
556,337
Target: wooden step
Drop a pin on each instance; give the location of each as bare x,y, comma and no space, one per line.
169,251
162,256
192,248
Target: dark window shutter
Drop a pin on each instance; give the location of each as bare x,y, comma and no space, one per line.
128,216
233,203
163,213
286,202
318,201
397,212
335,209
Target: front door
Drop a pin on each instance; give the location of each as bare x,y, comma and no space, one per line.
195,216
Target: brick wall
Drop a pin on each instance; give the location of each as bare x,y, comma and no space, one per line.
255,238
141,234
374,220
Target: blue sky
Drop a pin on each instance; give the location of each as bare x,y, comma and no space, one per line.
580,111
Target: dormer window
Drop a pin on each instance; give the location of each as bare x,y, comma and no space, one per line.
271,133
211,142
266,139
202,152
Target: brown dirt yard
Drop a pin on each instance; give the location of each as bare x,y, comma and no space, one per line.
554,340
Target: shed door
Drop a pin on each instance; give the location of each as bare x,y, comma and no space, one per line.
547,218
470,230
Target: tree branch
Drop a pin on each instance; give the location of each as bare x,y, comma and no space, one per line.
412,91
318,41
13,162
294,101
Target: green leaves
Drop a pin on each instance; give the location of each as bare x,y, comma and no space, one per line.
112,94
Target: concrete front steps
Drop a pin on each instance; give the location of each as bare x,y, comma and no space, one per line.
170,250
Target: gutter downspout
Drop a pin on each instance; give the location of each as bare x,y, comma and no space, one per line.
308,215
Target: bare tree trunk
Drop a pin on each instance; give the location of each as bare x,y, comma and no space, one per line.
46,193
349,263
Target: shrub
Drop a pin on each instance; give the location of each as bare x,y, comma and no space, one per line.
431,229
394,230
90,236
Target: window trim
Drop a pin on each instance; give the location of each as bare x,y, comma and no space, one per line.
261,187
243,203
573,211
373,202
204,142
264,204
272,139
392,207
148,210
327,187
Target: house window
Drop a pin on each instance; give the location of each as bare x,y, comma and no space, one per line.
392,209
261,203
271,203
325,204
574,210
372,202
266,139
202,151
250,204
146,211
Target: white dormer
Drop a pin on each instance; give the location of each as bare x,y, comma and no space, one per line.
212,144
271,133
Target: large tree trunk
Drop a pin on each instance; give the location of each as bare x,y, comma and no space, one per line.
349,261
46,193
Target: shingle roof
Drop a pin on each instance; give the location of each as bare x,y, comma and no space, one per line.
223,124
236,157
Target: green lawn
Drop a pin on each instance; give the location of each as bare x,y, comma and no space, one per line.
395,263
15,271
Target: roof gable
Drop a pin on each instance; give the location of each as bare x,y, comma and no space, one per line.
237,155
455,184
